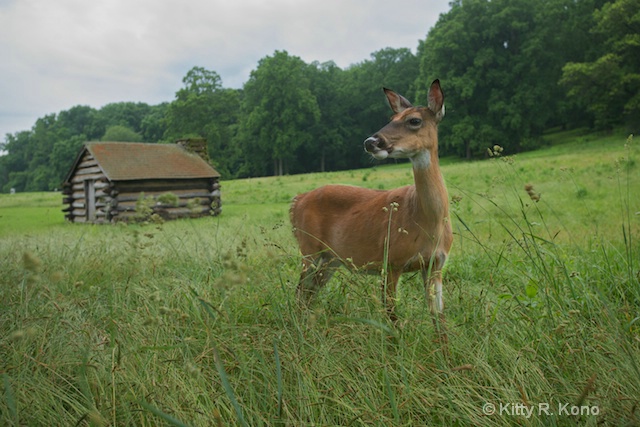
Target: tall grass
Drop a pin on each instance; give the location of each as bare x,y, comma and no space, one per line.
195,322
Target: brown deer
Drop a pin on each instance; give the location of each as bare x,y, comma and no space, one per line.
395,231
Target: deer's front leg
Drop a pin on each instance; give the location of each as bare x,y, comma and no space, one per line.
433,284
435,294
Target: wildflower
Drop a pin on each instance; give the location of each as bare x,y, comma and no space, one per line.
496,151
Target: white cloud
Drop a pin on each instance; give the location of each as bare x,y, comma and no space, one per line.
61,53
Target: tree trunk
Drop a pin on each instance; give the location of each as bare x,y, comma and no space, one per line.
278,167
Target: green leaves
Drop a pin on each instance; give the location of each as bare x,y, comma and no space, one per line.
500,63
199,81
121,133
609,87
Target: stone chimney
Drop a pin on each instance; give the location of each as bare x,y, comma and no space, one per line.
197,146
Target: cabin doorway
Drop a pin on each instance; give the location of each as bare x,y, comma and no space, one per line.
90,199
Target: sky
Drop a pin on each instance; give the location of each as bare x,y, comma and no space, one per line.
56,54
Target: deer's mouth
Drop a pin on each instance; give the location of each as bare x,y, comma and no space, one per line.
380,154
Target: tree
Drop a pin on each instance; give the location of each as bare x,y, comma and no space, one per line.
279,109
330,134
154,125
200,81
191,111
121,133
38,159
500,62
79,120
203,108
457,52
608,87
395,69
127,114
62,156
15,161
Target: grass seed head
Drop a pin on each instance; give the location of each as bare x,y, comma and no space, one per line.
17,335
96,419
31,262
532,193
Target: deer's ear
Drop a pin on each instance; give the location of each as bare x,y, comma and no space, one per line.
397,102
436,99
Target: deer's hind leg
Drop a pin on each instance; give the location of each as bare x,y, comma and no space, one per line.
316,272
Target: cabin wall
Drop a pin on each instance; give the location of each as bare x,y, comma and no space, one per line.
87,179
195,198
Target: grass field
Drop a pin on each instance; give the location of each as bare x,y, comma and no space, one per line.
195,322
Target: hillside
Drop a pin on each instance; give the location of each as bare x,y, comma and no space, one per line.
589,171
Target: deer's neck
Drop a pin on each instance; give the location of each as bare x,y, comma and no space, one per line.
431,197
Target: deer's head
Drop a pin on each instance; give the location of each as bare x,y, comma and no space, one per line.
412,130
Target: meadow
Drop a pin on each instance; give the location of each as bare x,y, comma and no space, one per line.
195,322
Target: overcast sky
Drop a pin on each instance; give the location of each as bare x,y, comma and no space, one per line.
59,53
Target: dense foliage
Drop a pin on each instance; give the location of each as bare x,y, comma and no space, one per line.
510,70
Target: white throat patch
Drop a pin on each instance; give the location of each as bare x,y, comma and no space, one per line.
422,160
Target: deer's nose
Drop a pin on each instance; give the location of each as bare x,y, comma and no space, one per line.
374,143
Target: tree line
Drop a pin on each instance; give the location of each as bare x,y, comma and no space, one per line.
510,69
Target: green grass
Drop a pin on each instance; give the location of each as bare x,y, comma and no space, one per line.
29,212
195,322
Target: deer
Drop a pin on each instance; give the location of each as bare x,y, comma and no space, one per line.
394,231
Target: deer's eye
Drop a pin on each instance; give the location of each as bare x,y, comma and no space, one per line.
415,122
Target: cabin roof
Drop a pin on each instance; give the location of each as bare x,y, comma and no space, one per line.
127,161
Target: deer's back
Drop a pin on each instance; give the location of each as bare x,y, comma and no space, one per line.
343,219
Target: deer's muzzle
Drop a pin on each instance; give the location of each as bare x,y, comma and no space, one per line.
377,147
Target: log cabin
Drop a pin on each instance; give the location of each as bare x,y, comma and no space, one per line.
124,181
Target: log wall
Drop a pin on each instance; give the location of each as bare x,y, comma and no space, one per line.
195,198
